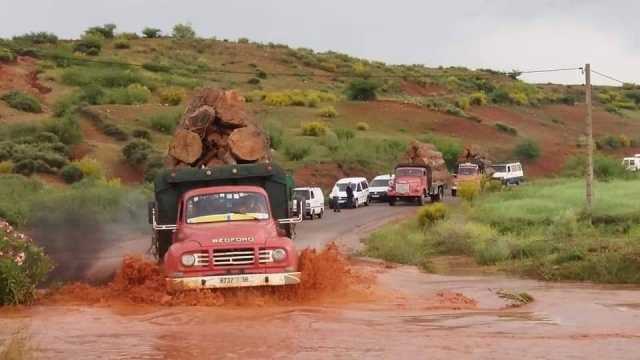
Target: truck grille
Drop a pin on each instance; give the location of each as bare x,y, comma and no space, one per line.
402,188
202,259
233,257
265,256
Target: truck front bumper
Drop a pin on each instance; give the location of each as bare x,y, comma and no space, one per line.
229,281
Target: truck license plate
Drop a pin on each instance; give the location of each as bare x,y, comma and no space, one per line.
233,279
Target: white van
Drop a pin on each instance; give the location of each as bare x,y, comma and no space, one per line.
312,201
378,187
508,173
360,188
632,163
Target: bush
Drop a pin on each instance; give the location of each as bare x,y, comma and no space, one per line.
362,90
90,168
151,33
463,103
429,214
121,43
66,128
22,101
141,134
114,131
314,128
133,94
164,122
25,167
90,44
172,96
253,81
478,98
506,129
6,55
183,31
106,31
469,190
23,265
344,134
275,134
37,38
156,67
309,98
527,150
6,167
297,151
328,112
71,174
604,168
362,126
137,152
243,40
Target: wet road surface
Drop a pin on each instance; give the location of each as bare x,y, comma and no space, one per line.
405,316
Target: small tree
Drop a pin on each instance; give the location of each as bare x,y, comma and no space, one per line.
90,44
137,152
183,31
151,33
362,90
107,30
71,173
527,150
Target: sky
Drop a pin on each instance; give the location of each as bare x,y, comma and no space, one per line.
497,34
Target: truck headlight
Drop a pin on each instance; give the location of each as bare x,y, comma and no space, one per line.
279,254
188,259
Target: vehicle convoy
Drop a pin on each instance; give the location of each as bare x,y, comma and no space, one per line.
312,200
360,187
467,173
228,226
378,187
510,173
632,163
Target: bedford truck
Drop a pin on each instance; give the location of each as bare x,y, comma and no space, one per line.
228,226
415,183
467,173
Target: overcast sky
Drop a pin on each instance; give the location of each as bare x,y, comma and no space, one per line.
498,34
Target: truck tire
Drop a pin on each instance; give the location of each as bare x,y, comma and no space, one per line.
321,214
392,201
163,242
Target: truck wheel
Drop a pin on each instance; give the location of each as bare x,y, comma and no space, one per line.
321,214
392,202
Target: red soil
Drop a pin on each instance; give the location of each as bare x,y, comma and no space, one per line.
413,89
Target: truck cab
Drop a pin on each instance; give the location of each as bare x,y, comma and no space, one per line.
228,230
632,163
414,183
508,173
467,173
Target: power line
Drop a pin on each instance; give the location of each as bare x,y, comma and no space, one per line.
608,77
549,70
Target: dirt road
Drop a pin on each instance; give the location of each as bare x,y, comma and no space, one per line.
409,315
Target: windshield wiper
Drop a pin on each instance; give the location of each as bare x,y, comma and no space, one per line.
255,217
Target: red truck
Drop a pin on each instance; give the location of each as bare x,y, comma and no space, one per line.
415,183
225,227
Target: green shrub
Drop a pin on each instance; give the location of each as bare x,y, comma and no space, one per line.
153,168
90,168
469,190
297,151
331,141
344,134
121,43
362,90
22,101
362,126
527,150
23,266
328,112
137,152
107,31
25,167
463,102
71,174
314,128
114,131
151,33
156,67
92,94
37,38
506,129
261,74
309,98
183,31
6,167
604,168
141,134
478,98
243,40
133,94
275,134
90,44
6,55
165,122
398,243
129,36
253,81
429,214
66,128
172,96
109,77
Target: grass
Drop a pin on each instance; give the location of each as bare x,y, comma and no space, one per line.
537,230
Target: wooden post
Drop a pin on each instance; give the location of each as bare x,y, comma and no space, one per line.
589,175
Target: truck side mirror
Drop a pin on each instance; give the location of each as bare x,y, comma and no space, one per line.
151,207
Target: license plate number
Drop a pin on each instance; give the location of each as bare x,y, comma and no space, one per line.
233,279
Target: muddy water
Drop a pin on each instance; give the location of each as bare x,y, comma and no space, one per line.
398,313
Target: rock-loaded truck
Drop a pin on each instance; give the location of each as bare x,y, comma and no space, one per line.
228,226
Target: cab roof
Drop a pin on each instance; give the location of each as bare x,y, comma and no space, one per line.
223,189
350,180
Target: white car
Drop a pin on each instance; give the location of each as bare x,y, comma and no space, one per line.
508,173
312,200
632,163
360,188
378,187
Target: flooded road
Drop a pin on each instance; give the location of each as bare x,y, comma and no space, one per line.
403,314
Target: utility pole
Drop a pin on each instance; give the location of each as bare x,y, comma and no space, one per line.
589,175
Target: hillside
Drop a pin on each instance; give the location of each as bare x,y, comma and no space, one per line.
132,89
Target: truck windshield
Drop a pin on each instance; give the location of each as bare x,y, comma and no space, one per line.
499,168
379,183
304,194
228,206
409,172
467,170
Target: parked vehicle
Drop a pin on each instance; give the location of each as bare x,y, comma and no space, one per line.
228,227
508,173
360,187
467,173
415,183
312,201
378,187
632,163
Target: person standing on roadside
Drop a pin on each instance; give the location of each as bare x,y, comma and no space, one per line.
349,191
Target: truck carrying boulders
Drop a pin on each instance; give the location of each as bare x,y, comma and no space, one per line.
222,215
421,174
